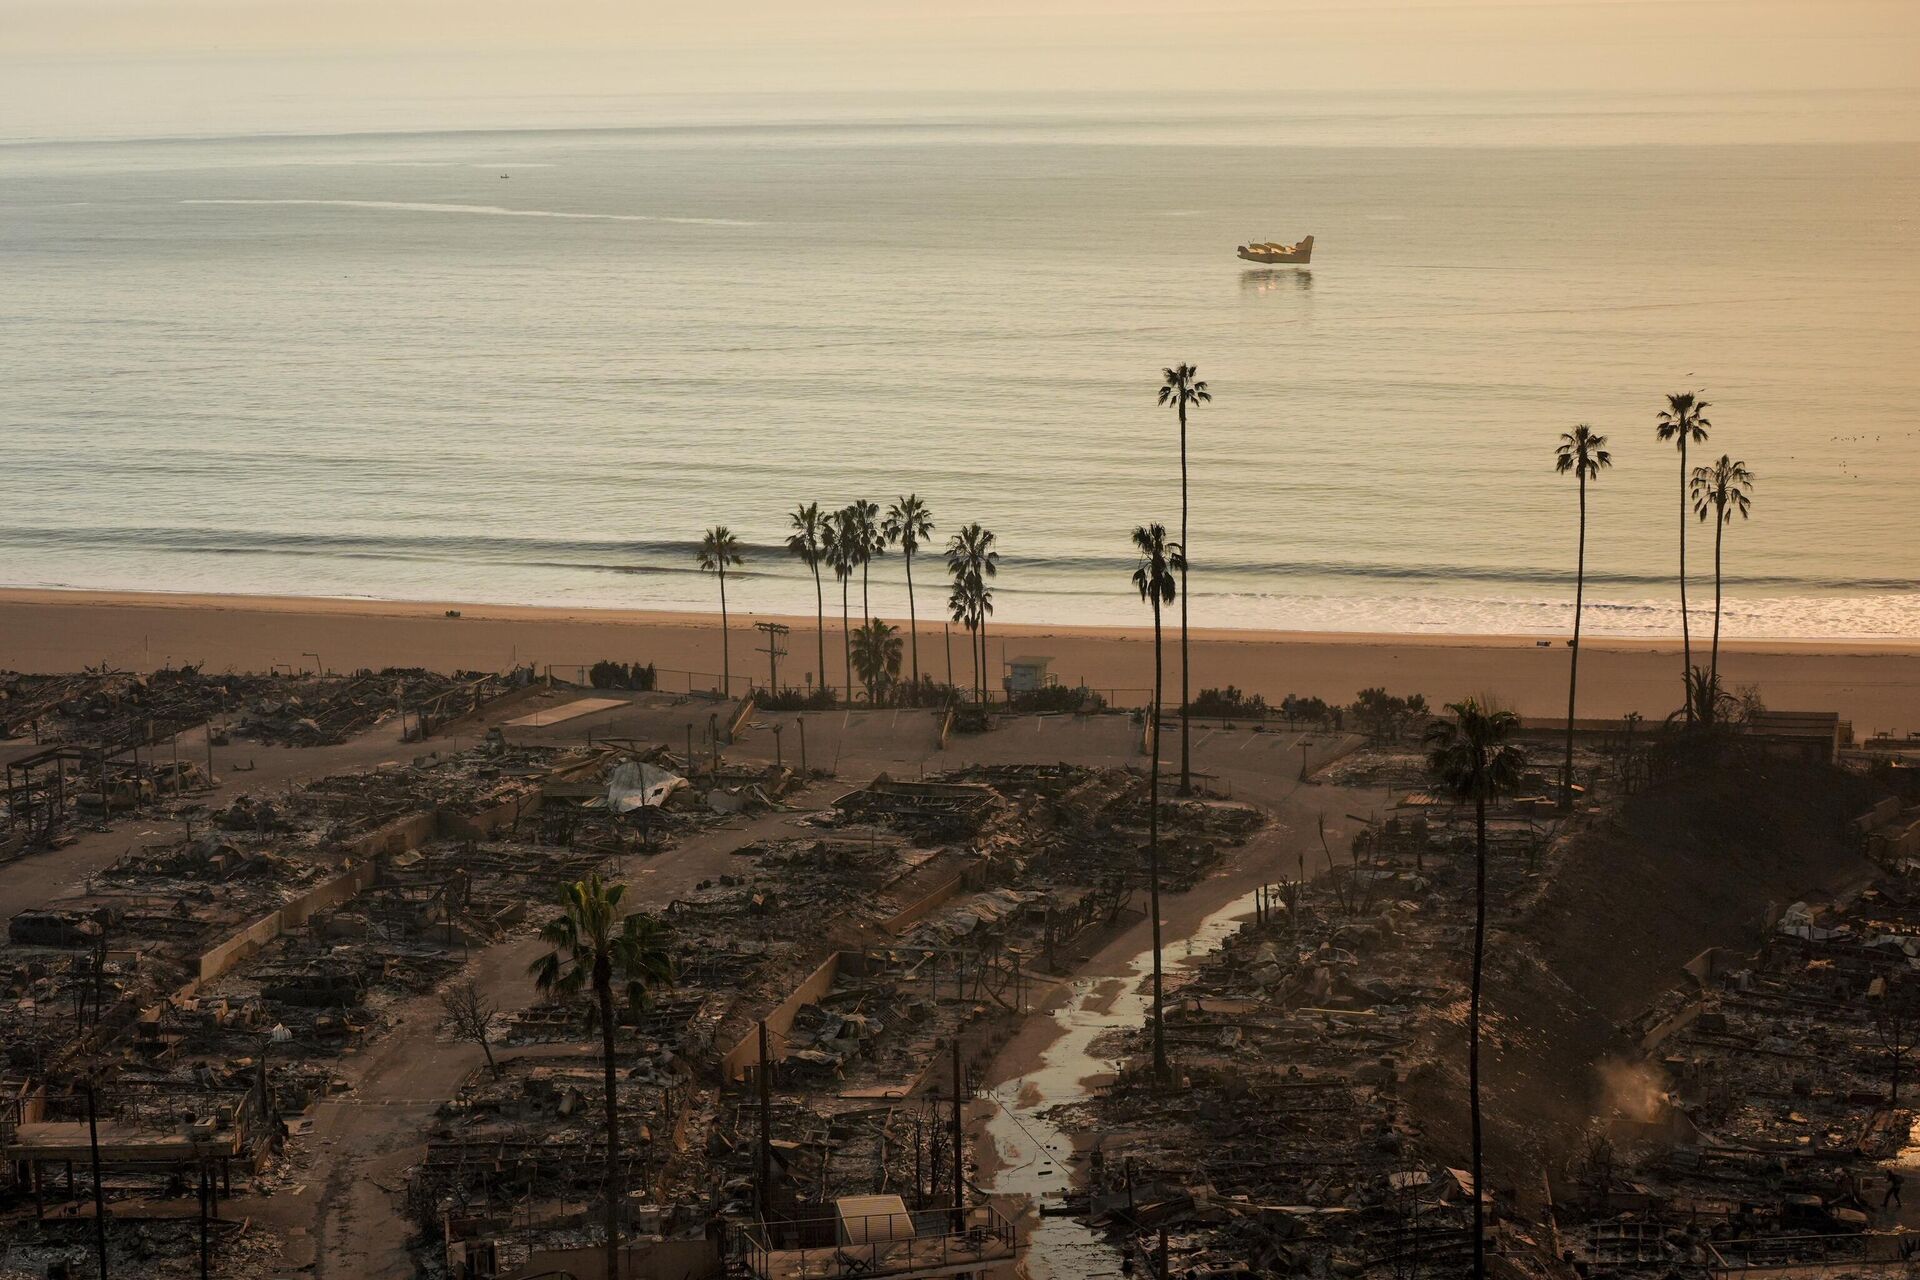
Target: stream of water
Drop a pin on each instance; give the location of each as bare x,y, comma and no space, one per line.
1035,1153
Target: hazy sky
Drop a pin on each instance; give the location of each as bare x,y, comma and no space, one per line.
138,60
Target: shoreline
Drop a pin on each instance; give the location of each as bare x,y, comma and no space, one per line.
1875,683
383,607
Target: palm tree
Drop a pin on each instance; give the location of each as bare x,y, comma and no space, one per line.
808,541
1473,760
910,523
718,549
1180,388
1582,451
972,560
593,947
876,655
868,543
1684,420
1153,578
1720,491
840,552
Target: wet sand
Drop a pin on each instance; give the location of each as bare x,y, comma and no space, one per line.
1875,684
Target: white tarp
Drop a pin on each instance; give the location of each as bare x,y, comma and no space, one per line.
637,785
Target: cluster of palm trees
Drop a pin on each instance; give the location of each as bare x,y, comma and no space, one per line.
846,542
1718,492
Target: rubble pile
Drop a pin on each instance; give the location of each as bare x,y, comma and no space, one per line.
1773,1090
1293,1142
117,708
912,923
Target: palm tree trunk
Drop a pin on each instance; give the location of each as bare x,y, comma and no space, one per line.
1473,1034
973,647
846,634
1153,859
913,624
603,991
1719,533
1186,662
726,647
866,607
820,622
1686,625
1573,670
986,687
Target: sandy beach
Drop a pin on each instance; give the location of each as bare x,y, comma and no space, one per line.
1876,685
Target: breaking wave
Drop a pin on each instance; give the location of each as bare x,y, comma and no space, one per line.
488,210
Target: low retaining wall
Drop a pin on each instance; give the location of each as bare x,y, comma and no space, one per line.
1661,1032
488,823
906,916
741,1057
397,836
292,915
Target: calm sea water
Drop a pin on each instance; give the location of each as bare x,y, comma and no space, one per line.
531,366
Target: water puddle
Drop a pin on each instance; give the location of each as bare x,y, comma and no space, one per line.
1035,1154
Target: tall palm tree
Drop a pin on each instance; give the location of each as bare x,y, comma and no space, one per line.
593,948
718,549
1684,421
1180,387
842,557
1153,579
868,543
808,542
1473,760
1720,491
876,655
1582,451
971,559
909,523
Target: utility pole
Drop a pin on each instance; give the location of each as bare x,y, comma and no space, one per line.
959,1175
204,1189
765,1153
803,744
777,727
99,1193
774,632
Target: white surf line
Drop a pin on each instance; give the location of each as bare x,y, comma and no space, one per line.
488,210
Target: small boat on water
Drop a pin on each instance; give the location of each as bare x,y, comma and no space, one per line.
1273,253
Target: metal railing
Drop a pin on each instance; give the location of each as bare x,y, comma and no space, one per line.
1774,1253
878,1244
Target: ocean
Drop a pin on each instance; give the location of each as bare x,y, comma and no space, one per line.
531,365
